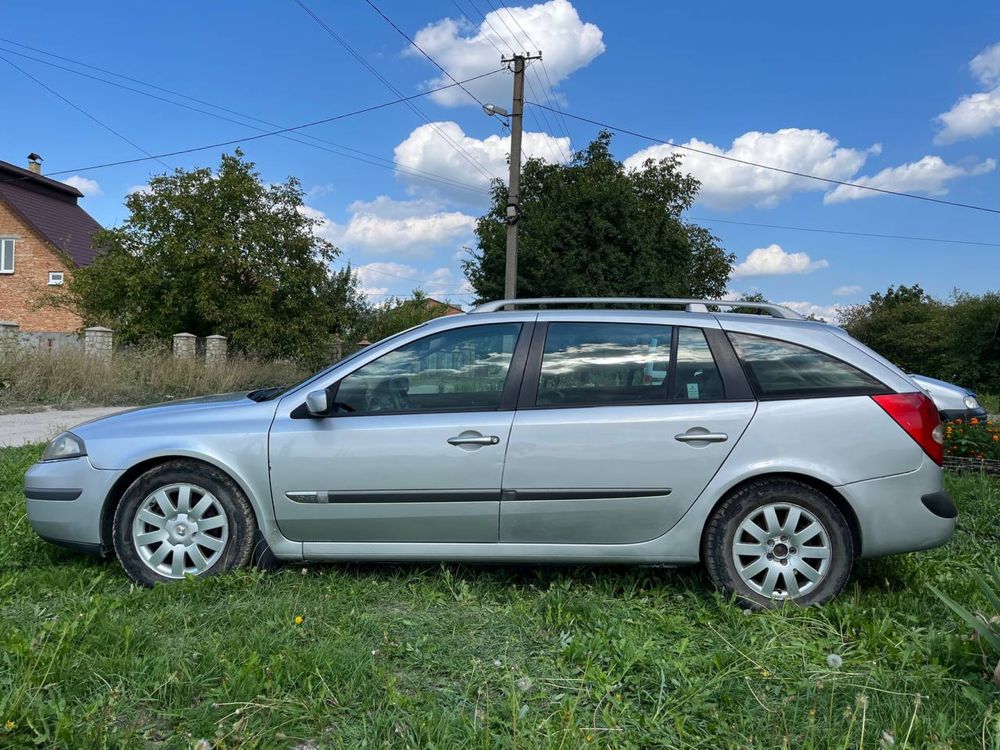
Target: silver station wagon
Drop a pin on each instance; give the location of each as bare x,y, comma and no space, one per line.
775,450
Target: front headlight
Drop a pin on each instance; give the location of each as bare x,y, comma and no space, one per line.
970,402
66,445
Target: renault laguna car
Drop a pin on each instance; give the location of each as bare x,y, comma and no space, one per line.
775,450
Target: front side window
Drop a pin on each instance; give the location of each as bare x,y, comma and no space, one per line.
604,363
461,369
6,255
779,369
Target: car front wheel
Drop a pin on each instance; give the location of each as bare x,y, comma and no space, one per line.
777,540
182,518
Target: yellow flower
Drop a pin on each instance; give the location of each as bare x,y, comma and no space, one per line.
10,725
299,619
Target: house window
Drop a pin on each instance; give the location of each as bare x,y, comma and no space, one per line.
6,255
55,278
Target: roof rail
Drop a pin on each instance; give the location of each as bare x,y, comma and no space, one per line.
690,305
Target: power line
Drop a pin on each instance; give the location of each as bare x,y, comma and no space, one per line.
279,131
388,84
476,26
82,111
769,167
707,220
422,52
362,156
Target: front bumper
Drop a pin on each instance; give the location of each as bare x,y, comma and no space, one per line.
966,415
64,500
904,512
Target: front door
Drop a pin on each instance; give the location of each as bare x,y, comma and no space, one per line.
413,448
619,429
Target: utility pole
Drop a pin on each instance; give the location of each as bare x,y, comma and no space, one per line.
514,182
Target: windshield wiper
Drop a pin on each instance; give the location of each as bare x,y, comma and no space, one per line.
266,394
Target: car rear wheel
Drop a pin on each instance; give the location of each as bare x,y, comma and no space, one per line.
182,518
778,540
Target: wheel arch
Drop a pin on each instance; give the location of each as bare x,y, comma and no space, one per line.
118,489
838,500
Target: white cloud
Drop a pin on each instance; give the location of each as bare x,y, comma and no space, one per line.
848,290
387,226
729,185
774,261
426,150
377,279
975,114
986,66
971,116
85,185
927,176
829,313
139,189
568,44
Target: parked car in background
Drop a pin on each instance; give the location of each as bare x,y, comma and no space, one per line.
775,450
952,401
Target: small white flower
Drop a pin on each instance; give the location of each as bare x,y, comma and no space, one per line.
833,661
202,745
524,684
497,663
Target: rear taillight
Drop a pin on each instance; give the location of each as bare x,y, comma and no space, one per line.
918,416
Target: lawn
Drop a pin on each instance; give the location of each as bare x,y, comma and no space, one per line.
452,656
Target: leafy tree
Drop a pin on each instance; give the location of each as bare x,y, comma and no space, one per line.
591,227
397,314
218,252
971,325
905,325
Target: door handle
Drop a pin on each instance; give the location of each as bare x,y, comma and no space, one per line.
705,437
473,440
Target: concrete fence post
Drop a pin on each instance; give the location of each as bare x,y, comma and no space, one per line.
98,342
215,350
184,345
10,334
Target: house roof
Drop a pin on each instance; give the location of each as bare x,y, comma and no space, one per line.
50,208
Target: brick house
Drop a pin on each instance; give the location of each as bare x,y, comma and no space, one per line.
44,235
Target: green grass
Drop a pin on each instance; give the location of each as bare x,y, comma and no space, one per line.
451,656
990,401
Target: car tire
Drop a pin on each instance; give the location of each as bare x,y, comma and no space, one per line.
778,540
182,518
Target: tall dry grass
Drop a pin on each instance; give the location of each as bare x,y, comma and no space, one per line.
68,378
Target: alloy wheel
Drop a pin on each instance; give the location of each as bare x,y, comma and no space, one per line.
180,529
781,551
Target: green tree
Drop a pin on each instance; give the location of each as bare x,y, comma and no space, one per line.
218,252
906,325
396,314
971,326
591,227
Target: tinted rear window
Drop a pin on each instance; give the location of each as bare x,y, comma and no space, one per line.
779,369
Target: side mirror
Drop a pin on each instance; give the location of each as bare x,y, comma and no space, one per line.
317,403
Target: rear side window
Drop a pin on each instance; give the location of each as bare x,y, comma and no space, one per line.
604,363
779,369
697,377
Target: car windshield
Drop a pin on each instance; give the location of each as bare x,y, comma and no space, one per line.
269,394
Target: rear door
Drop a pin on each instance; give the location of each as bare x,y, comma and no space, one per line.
620,425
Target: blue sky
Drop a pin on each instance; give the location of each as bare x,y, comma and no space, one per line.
904,96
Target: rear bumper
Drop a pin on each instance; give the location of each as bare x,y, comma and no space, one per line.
64,500
902,513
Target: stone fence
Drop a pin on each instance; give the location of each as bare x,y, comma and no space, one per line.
98,342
